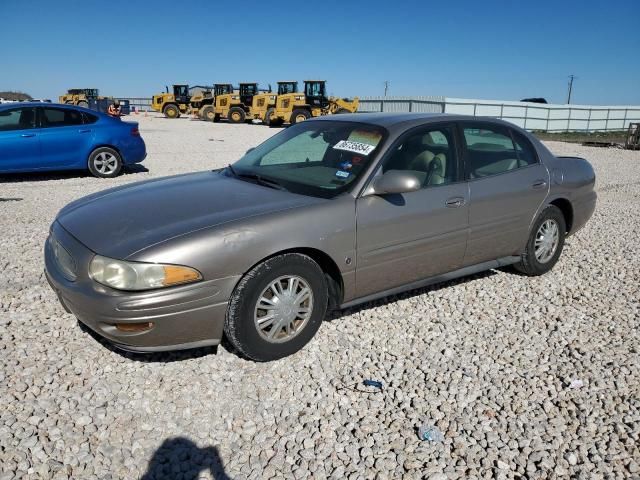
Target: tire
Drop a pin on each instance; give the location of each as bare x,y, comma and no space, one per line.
171,111
267,117
299,115
84,104
207,113
241,326
538,263
236,115
105,162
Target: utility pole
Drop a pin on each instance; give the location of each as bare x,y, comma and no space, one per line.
386,87
571,77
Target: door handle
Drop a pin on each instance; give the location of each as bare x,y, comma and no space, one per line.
455,202
28,135
539,184
85,130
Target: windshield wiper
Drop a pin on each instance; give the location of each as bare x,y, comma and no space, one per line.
232,170
267,182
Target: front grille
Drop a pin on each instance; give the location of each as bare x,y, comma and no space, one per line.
63,259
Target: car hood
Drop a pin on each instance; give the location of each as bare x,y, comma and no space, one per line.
122,221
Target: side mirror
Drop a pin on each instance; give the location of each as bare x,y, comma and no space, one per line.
394,181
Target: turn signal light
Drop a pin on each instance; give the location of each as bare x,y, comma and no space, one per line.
134,327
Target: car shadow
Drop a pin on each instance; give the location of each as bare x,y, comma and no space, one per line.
151,357
63,174
181,457
381,302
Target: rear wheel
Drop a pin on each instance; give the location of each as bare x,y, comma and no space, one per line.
545,243
299,115
267,116
83,103
105,162
236,115
207,113
171,111
277,307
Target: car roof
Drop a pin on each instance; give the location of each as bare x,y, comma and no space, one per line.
47,104
402,121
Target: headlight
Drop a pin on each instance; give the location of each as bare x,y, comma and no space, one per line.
139,276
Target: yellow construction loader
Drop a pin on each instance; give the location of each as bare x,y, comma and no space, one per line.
265,112
173,104
80,96
207,106
236,107
313,102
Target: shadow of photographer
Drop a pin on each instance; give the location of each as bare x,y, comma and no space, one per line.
180,458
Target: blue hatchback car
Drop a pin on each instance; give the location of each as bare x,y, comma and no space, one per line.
38,137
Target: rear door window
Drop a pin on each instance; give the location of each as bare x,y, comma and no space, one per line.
17,119
489,150
60,117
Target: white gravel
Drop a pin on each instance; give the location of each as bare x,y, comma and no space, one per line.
489,360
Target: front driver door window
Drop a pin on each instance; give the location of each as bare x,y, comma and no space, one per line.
409,237
19,140
65,139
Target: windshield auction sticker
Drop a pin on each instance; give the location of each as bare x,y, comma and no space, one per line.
355,147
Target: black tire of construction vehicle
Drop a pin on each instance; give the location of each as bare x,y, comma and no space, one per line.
299,115
267,116
207,113
171,111
83,103
343,110
236,115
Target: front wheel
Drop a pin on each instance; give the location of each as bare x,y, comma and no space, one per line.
545,243
236,115
207,113
277,307
171,111
299,115
105,162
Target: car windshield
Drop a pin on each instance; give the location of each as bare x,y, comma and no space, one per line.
318,158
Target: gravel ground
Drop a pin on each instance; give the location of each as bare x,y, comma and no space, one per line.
489,360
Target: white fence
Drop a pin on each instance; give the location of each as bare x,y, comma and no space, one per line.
548,117
532,116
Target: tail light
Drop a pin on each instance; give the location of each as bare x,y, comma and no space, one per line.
135,132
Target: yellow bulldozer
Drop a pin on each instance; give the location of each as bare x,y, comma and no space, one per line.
207,106
80,96
238,107
313,102
173,104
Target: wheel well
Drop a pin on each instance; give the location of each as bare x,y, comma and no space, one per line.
335,283
567,211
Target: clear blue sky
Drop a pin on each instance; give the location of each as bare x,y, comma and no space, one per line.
476,49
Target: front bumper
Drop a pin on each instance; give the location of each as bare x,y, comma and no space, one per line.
183,317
